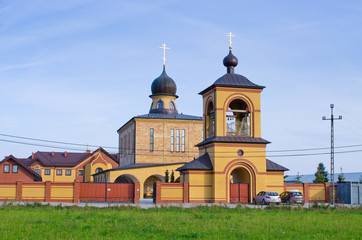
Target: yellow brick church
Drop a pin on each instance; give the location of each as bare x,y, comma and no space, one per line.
220,156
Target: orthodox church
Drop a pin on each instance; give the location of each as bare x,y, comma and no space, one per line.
152,143
221,156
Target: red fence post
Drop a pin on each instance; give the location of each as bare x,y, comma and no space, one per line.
48,186
136,192
158,192
306,192
186,192
76,189
19,191
327,190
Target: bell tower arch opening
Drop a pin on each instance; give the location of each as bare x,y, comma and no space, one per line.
238,118
210,120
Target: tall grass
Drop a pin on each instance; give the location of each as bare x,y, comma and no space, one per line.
36,221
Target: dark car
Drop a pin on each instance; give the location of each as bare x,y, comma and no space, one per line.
292,197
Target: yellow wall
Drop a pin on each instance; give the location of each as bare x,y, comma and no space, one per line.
32,192
166,101
316,192
60,192
172,193
8,191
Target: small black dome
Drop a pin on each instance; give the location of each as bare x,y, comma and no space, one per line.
163,85
230,60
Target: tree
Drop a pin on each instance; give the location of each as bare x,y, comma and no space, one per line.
166,176
341,177
321,176
172,179
299,178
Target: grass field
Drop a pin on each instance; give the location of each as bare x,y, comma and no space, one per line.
35,221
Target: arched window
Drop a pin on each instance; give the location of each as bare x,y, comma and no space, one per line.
98,170
210,120
160,104
172,105
238,119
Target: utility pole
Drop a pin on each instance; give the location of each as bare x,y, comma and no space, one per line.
332,151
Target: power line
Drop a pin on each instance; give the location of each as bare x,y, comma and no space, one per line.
158,155
40,145
139,149
51,141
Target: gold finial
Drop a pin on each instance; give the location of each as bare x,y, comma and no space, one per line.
230,35
164,53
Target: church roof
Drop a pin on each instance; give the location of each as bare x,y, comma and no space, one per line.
201,163
169,116
272,166
163,85
233,80
230,79
233,139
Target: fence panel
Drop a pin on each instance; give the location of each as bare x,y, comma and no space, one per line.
107,192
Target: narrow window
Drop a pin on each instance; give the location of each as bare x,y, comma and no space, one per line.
15,168
172,105
202,135
177,140
68,172
151,139
172,140
37,171
183,140
128,144
160,104
81,172
59,172
6,168
47,172
120,146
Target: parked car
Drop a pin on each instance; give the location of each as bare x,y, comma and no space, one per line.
292,197
267,197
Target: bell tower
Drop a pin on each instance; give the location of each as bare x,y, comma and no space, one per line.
231,105
232,166
232,132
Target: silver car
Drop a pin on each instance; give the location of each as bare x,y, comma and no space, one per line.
267,197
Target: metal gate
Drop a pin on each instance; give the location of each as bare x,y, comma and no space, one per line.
106,192
239,193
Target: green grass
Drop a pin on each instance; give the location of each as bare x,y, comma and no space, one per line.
45,222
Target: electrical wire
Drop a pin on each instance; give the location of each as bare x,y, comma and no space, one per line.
147,150
157,155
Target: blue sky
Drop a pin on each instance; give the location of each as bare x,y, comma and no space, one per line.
75,71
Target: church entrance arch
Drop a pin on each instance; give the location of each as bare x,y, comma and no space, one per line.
148,185
241,180
126,178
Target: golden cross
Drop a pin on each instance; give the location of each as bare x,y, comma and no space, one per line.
230,35
164,53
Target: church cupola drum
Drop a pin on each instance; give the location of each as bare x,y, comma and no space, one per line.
163,92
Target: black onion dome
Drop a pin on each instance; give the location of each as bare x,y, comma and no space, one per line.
230,60
163,85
